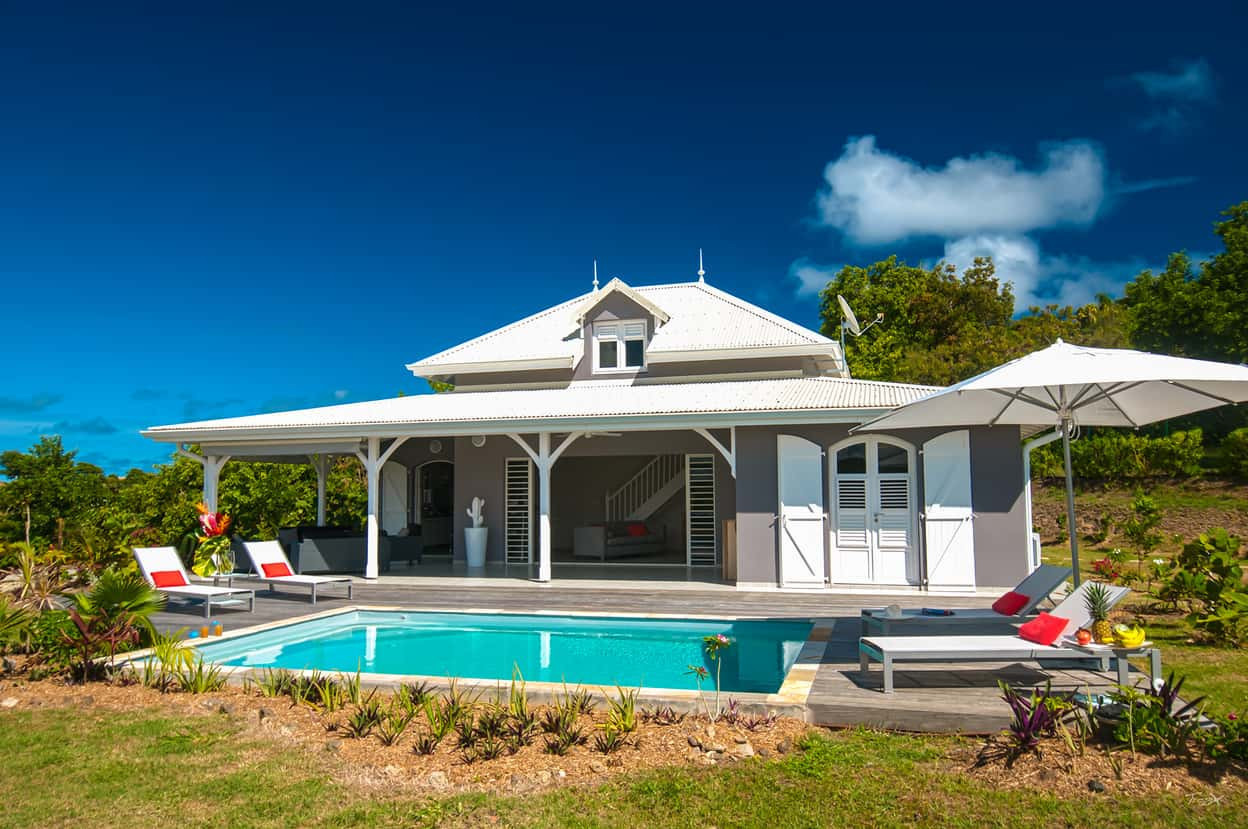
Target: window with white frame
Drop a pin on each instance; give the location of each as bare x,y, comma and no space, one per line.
619,346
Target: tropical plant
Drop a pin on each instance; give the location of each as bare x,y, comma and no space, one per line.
39,583
1206,578
366,717
491,748
426,743
1235,453
622,710
213,555
1141,528
441,716
466,732
16,624
1154,721
275,682
170,655
609,740
113,614
713,647
392,726
665,715
411,696
1032,717
200,678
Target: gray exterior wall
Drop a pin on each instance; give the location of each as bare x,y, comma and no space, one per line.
997,489
576,487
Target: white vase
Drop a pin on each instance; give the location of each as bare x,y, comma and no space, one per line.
474,545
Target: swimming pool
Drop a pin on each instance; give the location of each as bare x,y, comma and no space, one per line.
590,650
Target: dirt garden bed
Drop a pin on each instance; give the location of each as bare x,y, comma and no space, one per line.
367,762
1053,768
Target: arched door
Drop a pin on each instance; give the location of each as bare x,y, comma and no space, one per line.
873,536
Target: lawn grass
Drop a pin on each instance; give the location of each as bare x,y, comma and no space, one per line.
86,767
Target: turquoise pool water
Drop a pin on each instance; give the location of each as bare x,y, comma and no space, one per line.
587,650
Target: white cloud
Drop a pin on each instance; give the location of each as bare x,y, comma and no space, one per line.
1190,81
875,197
340,394
812,278
1039,279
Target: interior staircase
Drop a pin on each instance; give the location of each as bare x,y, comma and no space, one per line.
642,495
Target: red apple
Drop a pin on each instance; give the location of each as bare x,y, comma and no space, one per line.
1083,636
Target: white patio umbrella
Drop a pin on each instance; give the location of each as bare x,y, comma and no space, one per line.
1069,386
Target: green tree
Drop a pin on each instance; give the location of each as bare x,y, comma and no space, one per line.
941,328
48,489
1197,312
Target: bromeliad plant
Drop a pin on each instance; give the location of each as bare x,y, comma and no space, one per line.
1033,716
213,555
712,646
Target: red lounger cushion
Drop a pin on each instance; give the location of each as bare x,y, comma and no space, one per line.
168,578
637,530
275,570
1010,603
1044,629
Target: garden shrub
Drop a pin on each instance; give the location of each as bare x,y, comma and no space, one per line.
1235,453
1207,579
1120,455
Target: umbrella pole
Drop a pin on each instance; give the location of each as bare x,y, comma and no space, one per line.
1070,501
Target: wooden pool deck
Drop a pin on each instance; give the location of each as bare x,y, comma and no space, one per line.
934,698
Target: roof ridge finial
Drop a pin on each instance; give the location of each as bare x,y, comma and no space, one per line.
701,270
595,276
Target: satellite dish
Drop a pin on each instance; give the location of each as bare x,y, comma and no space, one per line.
851,321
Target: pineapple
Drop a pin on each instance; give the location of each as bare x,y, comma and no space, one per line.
1097,600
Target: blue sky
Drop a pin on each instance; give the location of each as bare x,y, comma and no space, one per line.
271,207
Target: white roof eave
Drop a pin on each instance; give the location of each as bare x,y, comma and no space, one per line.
616,423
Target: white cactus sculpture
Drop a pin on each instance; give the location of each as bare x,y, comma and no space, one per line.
477,513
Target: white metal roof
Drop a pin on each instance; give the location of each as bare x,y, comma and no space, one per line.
596,404
701,319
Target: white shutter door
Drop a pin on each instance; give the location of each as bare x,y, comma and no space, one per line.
893,527
700,510
518,520
852,553
801,511
947,515
393,497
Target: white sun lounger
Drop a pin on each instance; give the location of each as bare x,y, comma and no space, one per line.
888,650
1036,587
271,553
166,560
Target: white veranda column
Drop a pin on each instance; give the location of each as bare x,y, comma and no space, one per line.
372,529
373,461
212,478
544,459
543,506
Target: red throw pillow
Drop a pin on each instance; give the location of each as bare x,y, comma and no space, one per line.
1044,629
168,578
637,530
275,570
1010,603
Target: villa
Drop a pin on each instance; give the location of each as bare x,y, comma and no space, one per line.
667,426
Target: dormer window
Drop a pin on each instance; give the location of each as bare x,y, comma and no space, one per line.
620,345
